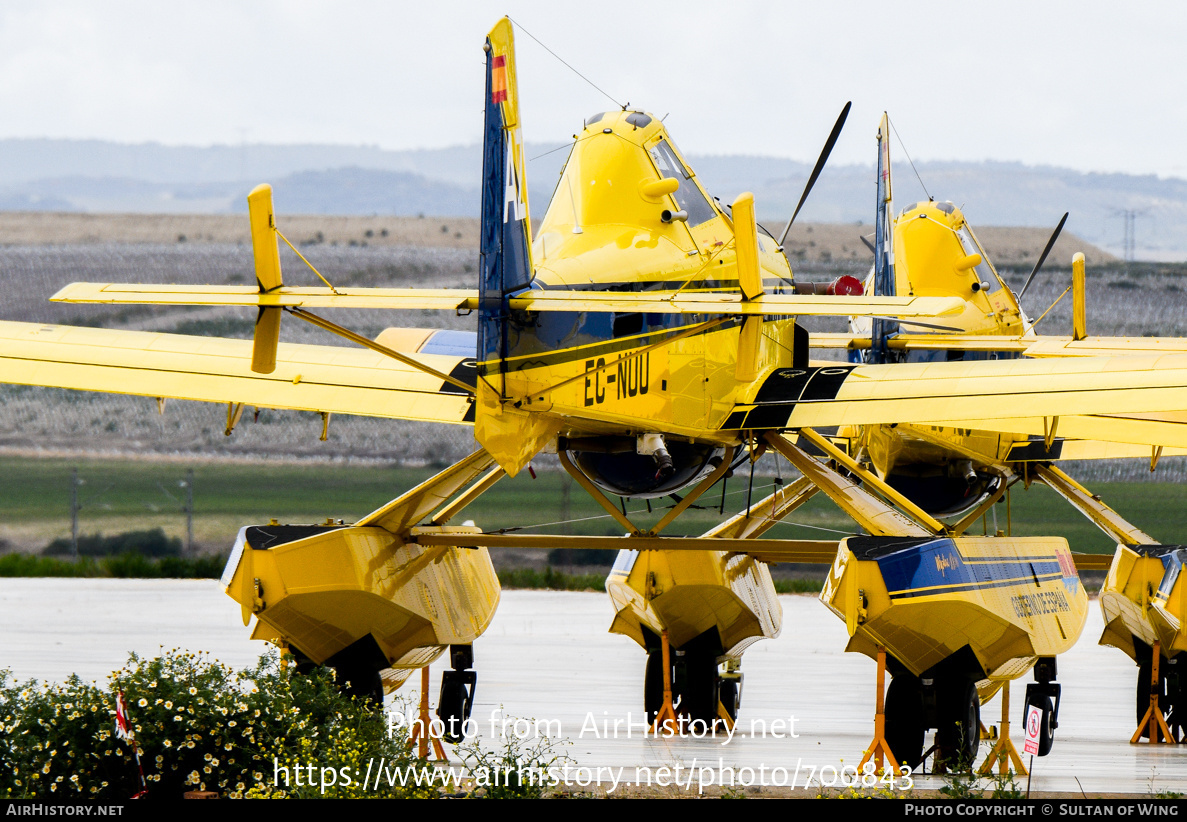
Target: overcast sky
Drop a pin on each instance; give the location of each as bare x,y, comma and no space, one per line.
1096,86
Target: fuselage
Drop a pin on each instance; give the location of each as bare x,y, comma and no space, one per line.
943,470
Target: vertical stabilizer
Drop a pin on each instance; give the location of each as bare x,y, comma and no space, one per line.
883,244
506,263
510,435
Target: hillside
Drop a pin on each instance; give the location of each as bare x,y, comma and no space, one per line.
1008,247
96,177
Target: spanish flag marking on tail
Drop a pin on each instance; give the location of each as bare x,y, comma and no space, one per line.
498,79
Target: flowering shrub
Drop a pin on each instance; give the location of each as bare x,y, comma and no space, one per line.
198,726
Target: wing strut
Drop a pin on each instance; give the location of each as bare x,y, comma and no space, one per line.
871,513
346,333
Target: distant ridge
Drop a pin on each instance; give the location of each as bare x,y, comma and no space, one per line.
95,176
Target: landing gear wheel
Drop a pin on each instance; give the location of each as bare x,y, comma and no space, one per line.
1169,697
653,684
1142,703
959,730
454,703
1176,694
904,719
700,689
1046,720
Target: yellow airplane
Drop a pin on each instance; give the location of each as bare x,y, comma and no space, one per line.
649,338
958,470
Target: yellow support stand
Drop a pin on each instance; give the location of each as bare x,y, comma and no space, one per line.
422,733
1004,754
1152,722
878,748
667,713
724,716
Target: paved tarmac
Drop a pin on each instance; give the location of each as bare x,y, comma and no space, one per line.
548,657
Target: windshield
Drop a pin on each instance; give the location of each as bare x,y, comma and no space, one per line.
985,273
688,196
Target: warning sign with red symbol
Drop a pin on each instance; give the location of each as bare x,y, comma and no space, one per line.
1034,724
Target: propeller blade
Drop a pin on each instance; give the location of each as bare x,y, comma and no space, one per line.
1043,256
828,147
869,245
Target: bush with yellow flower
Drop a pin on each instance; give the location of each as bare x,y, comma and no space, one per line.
198,724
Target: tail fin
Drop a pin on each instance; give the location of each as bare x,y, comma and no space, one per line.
511,436
506,245
884,284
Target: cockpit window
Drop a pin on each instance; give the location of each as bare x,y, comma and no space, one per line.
688,196
984,272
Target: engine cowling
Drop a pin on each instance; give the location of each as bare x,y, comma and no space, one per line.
615,466
944,491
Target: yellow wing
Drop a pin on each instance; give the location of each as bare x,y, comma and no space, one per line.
1140,432
931,393
659,302
209,369
1027,346
283,297
1131,431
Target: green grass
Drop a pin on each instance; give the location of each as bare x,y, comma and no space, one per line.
121,566
798,586
551,579
120,495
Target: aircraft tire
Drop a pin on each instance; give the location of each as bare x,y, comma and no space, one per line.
1176,694
700,688
453,706
1046,731
1166,700
904,719
959,729
1142,702
653,684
